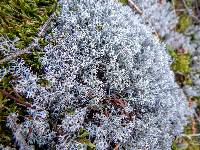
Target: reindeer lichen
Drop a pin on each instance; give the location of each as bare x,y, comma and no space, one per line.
110,84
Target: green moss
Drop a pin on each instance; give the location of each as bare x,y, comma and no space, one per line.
184,22
22,18
180,66
43,82
174,146
70,111
33,61
189,3
124,2
181,62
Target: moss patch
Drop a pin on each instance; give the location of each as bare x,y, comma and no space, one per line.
184,22
181,61
124,2
180,66
22,18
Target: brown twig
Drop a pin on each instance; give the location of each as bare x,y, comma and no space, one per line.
135,7
116,147
115,101
160,1
25,104
27,50
193,126
197,8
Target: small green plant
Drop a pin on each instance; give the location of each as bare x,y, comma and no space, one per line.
83,139
180,66
33,61
184,22
181,63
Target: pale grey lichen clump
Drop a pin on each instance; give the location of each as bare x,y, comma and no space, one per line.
164,20
107,75
7,46
160,15
194,89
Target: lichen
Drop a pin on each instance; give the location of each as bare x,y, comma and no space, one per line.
114,82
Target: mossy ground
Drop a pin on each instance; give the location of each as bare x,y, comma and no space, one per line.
181,67
20,19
